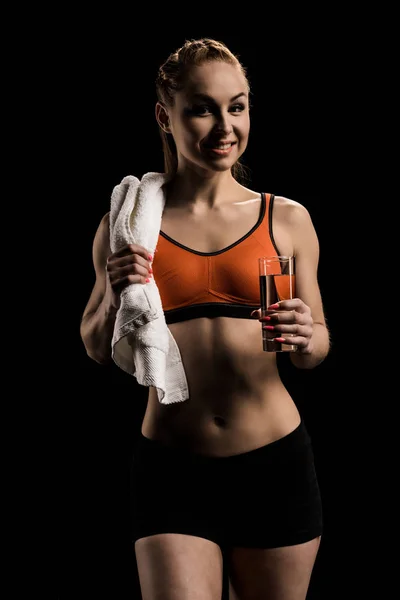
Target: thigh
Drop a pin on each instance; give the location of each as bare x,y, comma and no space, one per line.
173,492
175,566
272,496
274,574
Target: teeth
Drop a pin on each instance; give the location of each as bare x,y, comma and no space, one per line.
222,146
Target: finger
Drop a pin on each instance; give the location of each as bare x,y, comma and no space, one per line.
292,304
290,317
130,259
275,318
295,329
132,269
296,340
132,249
122,283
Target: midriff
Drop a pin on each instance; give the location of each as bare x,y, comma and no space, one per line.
237,401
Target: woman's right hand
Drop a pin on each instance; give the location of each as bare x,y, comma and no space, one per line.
131,264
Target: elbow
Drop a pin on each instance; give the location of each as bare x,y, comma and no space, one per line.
95,354
101,359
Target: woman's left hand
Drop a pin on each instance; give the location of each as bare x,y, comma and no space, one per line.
289,317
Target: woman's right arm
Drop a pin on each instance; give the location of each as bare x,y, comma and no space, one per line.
114,271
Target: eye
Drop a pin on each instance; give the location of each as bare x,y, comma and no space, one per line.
201,109
237,107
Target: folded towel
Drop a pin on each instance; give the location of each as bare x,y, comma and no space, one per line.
142,344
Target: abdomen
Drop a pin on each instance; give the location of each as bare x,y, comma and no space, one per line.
237,399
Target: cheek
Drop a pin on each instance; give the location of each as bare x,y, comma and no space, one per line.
244,127
191,137
196,130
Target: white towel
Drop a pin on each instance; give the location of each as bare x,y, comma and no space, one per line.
142,343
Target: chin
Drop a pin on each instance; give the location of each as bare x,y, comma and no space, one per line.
220,164
222,168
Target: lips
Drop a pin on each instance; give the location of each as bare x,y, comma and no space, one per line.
219,145
219,149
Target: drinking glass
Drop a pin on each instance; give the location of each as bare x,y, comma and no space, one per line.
277,283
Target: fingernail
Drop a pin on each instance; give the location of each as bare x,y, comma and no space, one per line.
273,306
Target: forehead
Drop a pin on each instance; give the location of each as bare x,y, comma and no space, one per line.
216,79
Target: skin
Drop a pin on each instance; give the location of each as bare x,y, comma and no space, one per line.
242,404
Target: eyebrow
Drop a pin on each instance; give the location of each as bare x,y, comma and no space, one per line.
209,98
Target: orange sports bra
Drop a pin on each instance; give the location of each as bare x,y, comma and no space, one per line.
225,283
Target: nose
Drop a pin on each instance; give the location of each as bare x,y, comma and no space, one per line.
223,123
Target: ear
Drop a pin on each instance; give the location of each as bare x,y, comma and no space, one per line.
162,117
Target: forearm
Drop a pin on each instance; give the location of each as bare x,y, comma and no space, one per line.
96,332
318,349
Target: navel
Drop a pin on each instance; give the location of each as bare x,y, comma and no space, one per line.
219,421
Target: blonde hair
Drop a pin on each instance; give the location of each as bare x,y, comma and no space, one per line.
171,77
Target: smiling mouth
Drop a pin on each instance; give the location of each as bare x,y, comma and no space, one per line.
221,146
219,149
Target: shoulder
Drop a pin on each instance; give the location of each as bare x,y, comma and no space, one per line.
291,211
104,225
102,237
293,219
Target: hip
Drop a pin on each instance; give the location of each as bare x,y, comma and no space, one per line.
222,424
267,497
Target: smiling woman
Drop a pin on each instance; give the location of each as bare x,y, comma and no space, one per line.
184,98
224,462
207,123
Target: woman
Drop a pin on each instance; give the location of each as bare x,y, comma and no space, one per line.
231,469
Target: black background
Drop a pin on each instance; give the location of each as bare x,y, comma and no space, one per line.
296,149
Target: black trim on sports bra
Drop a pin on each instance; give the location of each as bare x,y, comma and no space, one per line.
259,221
271,234
210,310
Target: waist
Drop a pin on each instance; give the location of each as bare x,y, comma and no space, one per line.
236,397
221,426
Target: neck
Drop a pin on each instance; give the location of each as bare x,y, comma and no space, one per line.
193,190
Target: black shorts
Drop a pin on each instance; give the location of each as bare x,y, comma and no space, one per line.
265,498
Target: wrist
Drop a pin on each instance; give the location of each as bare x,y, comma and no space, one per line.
305,350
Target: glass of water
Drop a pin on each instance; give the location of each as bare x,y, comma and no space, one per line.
277,282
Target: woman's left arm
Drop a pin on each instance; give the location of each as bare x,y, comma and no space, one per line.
302,318
314,347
